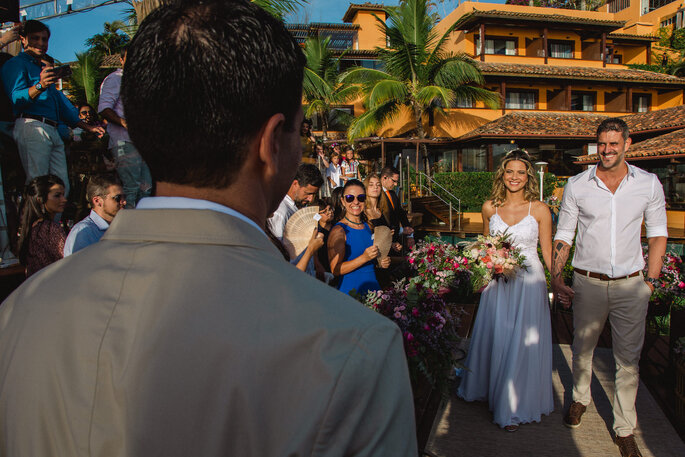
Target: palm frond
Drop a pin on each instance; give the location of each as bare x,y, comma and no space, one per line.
372,120
455,71
279,8
429,95
85,75
491,99
387,90
365,76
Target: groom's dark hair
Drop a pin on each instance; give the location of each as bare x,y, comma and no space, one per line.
614,124
201,79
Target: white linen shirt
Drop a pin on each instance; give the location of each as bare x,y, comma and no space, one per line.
609,225
110,98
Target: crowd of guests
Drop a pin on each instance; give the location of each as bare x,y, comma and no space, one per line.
40,125
341,250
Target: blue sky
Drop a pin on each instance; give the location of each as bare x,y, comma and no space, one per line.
70,32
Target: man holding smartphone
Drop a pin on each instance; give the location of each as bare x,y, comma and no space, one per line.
39,107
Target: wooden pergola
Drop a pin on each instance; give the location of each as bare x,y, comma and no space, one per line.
417,142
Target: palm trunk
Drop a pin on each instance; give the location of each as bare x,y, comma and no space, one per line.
324,125
421,133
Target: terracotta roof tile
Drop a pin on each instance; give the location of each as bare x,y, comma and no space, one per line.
629,37
573,125
471,18
668,118
113,61
354,7
557,125
583,73
669,144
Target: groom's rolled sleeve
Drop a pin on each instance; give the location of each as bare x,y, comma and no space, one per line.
568,216
656,221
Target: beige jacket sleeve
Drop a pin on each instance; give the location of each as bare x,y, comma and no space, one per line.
371,412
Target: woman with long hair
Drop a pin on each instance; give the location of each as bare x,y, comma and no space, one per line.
41,239
350,244
510,358
373,212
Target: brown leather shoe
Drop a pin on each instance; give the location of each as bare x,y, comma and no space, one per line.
573,415
627,446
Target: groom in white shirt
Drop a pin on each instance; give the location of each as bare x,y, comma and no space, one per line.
607,203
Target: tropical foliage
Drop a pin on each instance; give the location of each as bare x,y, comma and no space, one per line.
418,75
111,41
321,88
86,78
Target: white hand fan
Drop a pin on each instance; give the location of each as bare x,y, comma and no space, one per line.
382,237
298,230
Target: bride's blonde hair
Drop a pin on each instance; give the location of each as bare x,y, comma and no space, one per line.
530,190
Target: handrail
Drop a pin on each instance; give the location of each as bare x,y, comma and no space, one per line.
433,181
430,180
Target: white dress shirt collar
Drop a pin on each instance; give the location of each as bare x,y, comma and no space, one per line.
194,203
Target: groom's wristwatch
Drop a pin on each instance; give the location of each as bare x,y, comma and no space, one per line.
653,281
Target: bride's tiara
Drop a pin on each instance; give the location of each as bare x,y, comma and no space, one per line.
517,154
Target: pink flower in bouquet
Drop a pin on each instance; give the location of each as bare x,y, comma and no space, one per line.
489,265
415,312
411,261
681,284
397,314
499,269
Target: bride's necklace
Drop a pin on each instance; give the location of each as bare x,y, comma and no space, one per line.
353,222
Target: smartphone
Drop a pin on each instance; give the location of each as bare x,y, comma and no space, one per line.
62,72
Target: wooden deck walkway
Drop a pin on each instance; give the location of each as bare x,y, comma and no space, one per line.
466,429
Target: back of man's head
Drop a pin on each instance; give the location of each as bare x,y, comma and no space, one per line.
308,174
201,80
33,26
614,124
99,184
389,172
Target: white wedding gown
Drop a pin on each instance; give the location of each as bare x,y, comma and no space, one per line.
509,363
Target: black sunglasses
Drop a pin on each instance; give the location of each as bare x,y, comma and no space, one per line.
118,197
361,198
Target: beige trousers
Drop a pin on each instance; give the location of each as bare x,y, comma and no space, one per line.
624,301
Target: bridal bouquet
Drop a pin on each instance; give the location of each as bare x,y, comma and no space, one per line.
439,266
493,257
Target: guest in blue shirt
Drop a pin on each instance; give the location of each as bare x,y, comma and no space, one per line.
106,197
28,80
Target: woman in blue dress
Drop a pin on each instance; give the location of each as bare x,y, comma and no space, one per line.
350,244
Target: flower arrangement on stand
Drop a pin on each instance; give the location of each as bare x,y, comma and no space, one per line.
439,266
429,329
667,303
493,257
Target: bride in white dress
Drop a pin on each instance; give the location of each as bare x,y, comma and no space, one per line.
509,363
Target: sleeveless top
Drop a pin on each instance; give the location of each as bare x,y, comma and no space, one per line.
524,234
363,278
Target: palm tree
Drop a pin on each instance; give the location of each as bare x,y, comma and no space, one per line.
418,75
110,41
86,76
321,87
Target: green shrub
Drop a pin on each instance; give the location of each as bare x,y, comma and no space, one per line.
473,188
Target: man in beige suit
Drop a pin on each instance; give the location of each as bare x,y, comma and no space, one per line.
183,332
